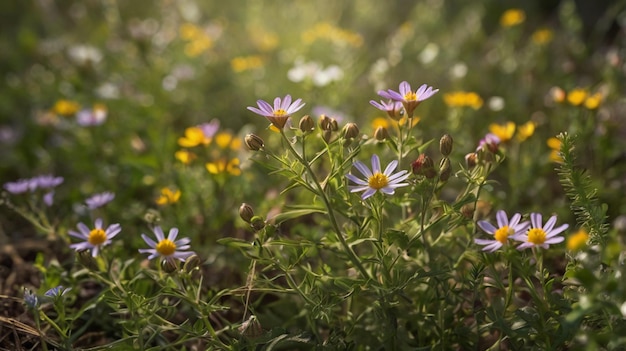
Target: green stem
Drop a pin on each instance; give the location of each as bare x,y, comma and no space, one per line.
331,214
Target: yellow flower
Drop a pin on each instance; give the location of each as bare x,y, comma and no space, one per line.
542,36
576,96
327,31
168,197
223,166
65,107
189,31
184,156
226,140
194,136
555,154
525,131
593,101
577,241
503,131
380,122
463,99
404,120
512,17
246,63
198,46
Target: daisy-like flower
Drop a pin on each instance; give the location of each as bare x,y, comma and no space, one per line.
409,98
94,238
280,113
506,229
393,108
99,200
169,248
540,235
377,180
17,187
57,291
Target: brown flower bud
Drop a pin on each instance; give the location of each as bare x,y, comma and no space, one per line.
425,166
257,223
254,142
445,170
445,145
381,133
325,122
191,263
169,266
350,131
471,159
334,126
327,135
245,212
306,124
87,260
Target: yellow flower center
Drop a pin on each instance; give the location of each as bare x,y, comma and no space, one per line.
378,181
503,233
536,236
166,247
280,113
410,96
97,237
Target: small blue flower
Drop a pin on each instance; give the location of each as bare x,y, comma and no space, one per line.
56,292
30,299
99,200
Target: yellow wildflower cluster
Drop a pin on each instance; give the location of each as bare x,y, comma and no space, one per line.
65,107
221,160
245,63
198,41
555,154
505,132
512,17
463,99
327,31
577,97
168,197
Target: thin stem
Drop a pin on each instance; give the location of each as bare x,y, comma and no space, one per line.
331,214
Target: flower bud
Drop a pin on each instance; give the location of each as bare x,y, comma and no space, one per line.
445,170
327,135
254,142
306,124
381,133
350,131
445,145
191,263
87,260
257,223
325,122
467,211
169,266
334,126
471,159
246,212
425,166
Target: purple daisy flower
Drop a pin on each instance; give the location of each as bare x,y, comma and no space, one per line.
17,187
99,200
209,129
409,98
393,108
540,235
95,238
506,229
280,113
45,182
377,180
169,248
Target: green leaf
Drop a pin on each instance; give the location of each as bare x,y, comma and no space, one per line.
287,215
